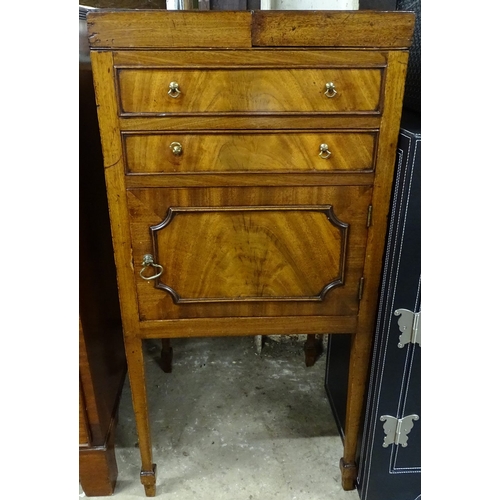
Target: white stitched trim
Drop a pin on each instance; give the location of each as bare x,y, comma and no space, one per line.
381,363
411,348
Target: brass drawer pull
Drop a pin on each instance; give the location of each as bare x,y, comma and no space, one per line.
323,151
174,90
330,90
176,148
147,261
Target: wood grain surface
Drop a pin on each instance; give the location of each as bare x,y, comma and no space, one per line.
241,57
155,29
277,152
288,253
298,241
253,90
332,29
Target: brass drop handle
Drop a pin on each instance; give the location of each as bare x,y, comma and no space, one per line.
330,90
147,261
323,151
173,90
176,148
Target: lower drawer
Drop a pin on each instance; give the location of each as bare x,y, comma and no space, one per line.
248,251
320,151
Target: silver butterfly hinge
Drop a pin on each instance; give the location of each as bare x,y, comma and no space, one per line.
397,429
409,326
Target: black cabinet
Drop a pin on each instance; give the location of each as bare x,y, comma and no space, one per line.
389,455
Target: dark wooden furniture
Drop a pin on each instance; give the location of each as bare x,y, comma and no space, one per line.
248,171
102,352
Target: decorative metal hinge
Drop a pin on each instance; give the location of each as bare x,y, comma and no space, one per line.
397,429
409,326
369,218
360,287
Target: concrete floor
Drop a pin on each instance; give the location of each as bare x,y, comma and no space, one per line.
228,423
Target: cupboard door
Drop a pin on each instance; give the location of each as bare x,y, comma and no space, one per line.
248,251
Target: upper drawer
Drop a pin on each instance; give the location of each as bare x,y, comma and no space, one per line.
256,91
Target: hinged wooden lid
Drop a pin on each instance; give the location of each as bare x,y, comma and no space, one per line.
143,29
332,29
155,29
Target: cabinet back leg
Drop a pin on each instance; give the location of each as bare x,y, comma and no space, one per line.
166,356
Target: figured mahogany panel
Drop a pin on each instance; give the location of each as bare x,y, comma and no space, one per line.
260,253
277,152
248,90
251,251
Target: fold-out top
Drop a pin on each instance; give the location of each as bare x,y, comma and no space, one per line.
155,29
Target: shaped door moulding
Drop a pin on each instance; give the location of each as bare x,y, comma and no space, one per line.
327,210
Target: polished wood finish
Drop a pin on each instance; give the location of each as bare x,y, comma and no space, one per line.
250,179
244,122
252,91
273,152
362,341
192,241
326,58
255,237
113,167
261,254
98,470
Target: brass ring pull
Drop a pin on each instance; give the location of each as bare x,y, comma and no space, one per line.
147,261
323,151
176,148
173,90
330,90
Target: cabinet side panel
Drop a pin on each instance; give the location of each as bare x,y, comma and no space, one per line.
386,155
102,65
